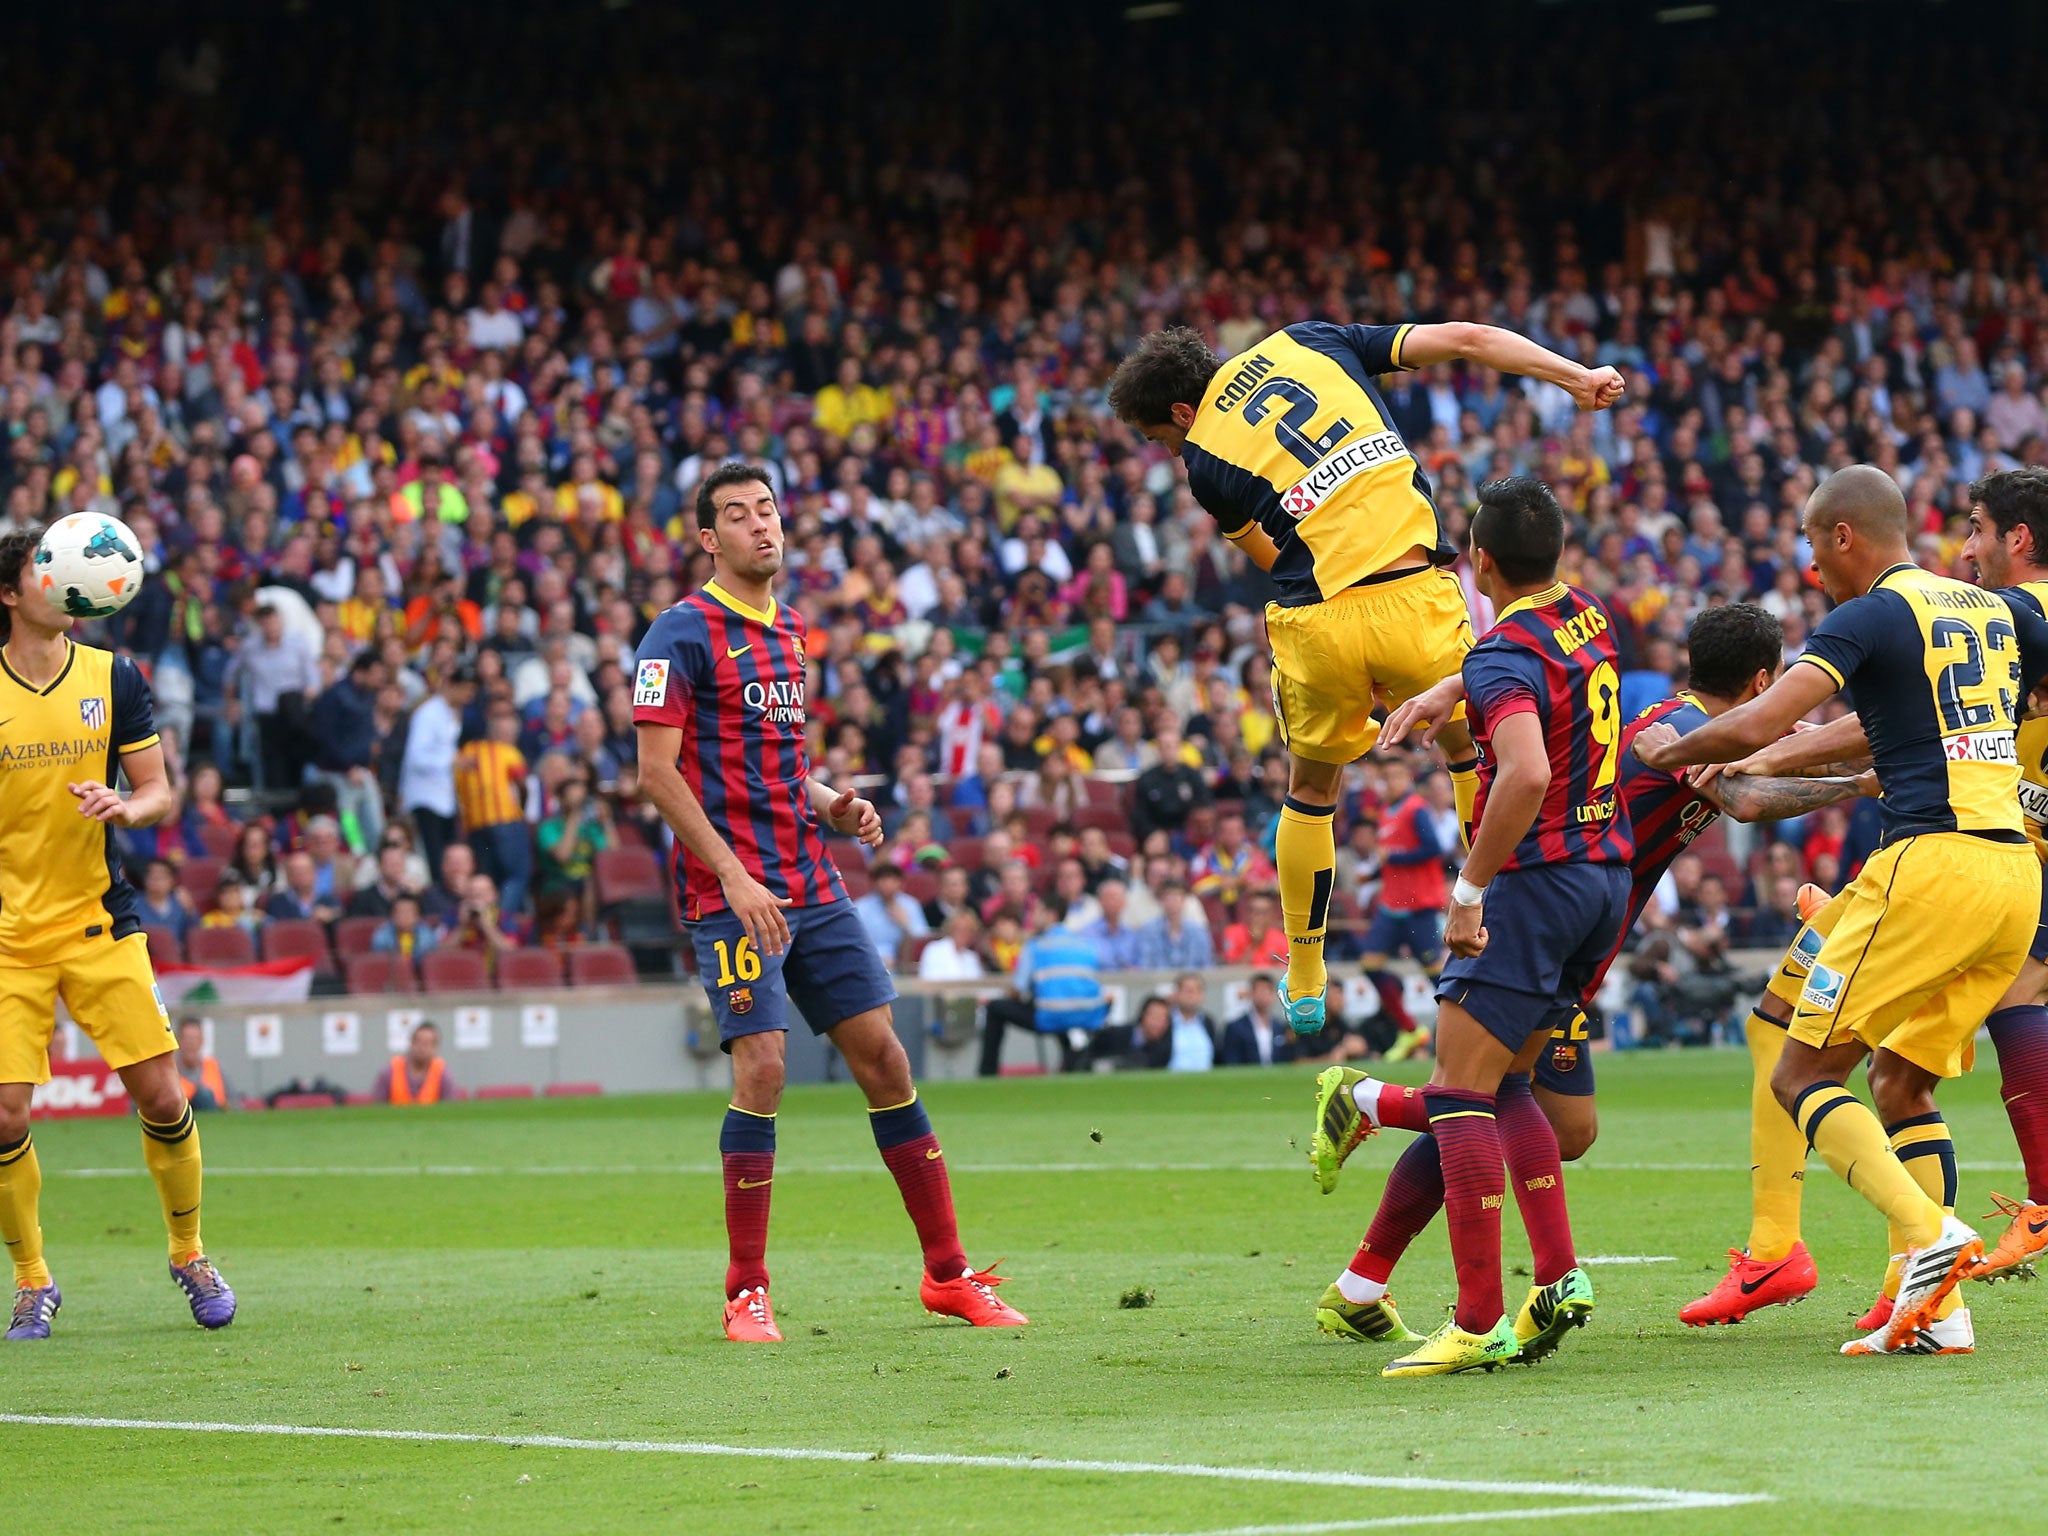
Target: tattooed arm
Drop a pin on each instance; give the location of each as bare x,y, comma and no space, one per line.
1755,797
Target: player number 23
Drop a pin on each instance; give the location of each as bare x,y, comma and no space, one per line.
737,962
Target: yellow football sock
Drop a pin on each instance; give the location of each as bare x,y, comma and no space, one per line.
1305,848
21,1190
1850,1140
1465,789
1895,1266
172,1152
1777,1152
1924,1145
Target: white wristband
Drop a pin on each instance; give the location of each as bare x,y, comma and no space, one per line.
1466,894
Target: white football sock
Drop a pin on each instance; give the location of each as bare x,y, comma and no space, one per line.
1365,1093
1358,1290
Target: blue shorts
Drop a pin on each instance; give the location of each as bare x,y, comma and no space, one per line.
1566,1065
2039,949
830,971
1420,933
1549,930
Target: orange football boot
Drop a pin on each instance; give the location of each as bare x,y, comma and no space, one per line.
1751,1285
972,1298
750,1319
2025,1236
1811,899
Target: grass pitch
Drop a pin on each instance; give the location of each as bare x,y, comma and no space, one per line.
550,1273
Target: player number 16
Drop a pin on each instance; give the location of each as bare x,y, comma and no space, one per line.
737,962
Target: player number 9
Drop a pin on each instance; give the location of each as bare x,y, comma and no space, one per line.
1603,701
740,962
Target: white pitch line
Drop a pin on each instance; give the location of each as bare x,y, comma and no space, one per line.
1658,1498
1631,1258
1456,1517
622,1170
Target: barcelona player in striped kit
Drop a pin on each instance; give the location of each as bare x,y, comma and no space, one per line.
1736,651
718,704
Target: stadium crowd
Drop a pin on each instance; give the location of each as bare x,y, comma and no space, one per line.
410,425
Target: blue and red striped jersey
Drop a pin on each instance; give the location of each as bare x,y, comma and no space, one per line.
1665,813
731,678
1552,655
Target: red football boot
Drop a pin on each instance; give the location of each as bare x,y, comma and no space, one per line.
750,1319
972,1297
1878,1316
1752,1284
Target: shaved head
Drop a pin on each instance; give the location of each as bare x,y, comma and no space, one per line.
1867,499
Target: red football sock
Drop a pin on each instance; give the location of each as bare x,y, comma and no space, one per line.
749,1180
1392,1002
1530,1146
1413,1196
907,1144
1402,1109
2021,1038
1475,1182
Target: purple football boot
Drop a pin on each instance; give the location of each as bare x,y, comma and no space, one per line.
213,1304
34,1306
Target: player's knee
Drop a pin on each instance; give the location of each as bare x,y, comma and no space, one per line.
1312,782
1899,1089
13,1123
1575,1138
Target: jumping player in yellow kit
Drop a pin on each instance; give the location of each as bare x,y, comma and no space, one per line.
1290,448
73,718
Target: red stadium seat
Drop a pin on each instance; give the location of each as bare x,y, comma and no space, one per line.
218,841
353,935
857,880
1103,795
920,884
221,946
628,874
506,1091
601,965
201,878
302,1101
1111,819
1041,819
377,972
1123,844
574,1090
287,938
454,970
526,969
164,948
966,851
962,818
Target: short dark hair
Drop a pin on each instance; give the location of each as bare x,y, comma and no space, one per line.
1521,527
2012,498
1168,368
731,472
1730,644
16,550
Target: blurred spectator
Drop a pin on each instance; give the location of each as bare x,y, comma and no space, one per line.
891,918
952,897
163,902
1170,789
426,784
254,864
344,744
1058,992
955,954
403,933
1258,1037
299,896
490,788
1257,937
570,841
1194,1035
392,881
1231,863
481,924
232,907
1174,940
206,1087
282,674
420,1076
1118,946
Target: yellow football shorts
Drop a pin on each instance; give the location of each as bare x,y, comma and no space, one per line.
1392,638
109,989
1920,947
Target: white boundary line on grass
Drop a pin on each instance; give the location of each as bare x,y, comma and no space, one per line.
1455,1517
1624,1497
622,1170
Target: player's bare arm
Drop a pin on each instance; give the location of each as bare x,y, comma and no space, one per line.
661,781
1592,389
1837,748
847,813
1745,729
1257,545
1748,797
1519,785
150,798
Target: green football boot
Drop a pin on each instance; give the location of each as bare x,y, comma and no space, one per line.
1340,1126
1451,1349
1551,1312
1363,1322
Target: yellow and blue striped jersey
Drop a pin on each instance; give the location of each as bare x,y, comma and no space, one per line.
1938,671
2032,737
1294,436
61,887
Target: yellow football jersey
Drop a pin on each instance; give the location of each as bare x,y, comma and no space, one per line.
1293,436
61,887
2033,740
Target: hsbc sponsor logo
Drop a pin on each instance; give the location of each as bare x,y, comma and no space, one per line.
1346,464
1981,747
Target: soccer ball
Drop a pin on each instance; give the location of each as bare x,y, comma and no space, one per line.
89,566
